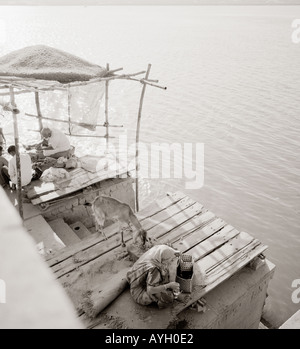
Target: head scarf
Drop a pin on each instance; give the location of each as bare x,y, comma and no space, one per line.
159,256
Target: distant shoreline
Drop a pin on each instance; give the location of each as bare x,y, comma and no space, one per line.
148,3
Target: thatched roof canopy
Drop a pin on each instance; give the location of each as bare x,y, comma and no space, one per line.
47,63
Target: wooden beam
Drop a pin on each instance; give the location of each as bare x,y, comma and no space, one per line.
207,224
202,241
235,262
161,216
160,204
214,259
203,225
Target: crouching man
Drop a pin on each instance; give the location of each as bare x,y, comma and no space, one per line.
58,143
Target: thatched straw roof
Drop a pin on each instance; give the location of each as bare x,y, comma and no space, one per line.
48,63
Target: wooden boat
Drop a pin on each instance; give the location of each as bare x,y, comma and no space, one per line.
85,263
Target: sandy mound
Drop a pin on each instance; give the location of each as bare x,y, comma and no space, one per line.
48,63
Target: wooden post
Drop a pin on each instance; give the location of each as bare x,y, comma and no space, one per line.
38,109
69,108
137,168
18,162
106,109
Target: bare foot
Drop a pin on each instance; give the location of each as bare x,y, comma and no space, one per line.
183,297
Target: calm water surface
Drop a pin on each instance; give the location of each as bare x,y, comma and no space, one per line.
233,84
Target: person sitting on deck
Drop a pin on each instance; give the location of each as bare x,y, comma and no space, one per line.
152,277
3,162
9,173
58,143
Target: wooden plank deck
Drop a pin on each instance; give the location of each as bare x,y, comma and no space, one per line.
39,192
219,251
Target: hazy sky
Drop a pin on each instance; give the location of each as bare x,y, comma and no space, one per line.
149,2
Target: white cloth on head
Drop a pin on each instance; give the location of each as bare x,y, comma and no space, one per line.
58,141
26,169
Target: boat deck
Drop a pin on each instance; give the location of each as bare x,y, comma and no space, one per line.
219,251
94,170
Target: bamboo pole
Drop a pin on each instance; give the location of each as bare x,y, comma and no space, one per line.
113,77
32,87
72,135
72,122
28,87
38,109
30,91
137,168
106,109
144,81
151,80
19,86
18,162
69,108
113,71
14,78
91,136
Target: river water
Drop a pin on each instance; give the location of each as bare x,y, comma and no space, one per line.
232,76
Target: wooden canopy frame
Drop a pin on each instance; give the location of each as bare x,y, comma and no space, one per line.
13,85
